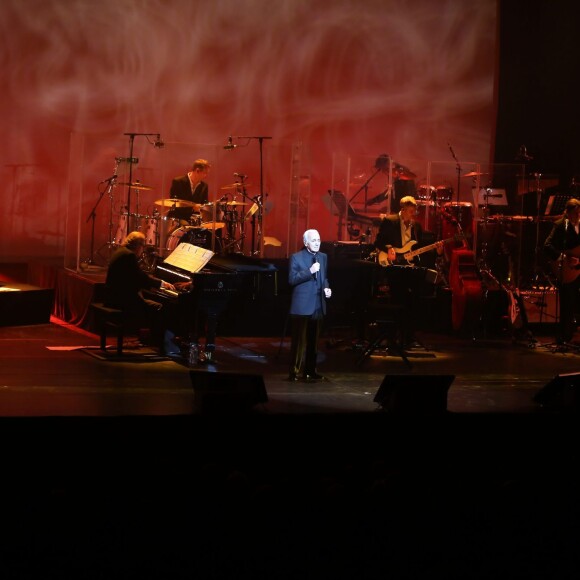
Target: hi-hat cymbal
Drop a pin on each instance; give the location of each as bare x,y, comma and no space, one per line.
235,185
178,203
136,185
474,174
234,203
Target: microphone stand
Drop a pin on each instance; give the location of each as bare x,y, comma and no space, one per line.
365,186
92,217
538,177
131,160
525,159
458,169
260,140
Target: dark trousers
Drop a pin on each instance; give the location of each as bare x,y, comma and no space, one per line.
305,331
144,313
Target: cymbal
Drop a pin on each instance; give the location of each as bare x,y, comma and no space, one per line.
474,174
136,185
237,203
235,185
178,203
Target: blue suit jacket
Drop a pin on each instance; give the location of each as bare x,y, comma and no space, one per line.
307,288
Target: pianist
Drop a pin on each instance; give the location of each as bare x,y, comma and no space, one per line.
124,283
190,187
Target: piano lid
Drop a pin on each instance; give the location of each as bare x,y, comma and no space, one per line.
241,263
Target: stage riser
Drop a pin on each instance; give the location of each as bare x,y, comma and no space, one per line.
25,306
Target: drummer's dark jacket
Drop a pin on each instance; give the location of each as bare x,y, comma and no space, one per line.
181,189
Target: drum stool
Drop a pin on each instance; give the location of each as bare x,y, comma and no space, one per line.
106,318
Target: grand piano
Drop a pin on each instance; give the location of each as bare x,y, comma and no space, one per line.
202,296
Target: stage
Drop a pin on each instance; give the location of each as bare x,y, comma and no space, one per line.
113,468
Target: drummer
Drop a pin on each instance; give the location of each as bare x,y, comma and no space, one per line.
191,187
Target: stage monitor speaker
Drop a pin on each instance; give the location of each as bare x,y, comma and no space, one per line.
422,394
562,393
223,392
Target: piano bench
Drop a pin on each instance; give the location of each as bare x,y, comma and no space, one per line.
106,318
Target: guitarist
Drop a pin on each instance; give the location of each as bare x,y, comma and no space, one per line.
562,248
396,231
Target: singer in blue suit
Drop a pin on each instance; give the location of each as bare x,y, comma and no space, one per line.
307,276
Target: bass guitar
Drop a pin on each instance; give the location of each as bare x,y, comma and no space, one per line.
407,253
567,267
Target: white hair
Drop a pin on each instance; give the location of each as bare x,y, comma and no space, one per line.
308,234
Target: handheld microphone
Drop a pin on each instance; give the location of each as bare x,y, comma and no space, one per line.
315,261
230,144
158,143
109,179
240,175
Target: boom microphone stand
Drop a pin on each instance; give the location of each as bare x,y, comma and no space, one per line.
260,212
381,164
133,160
93,214
458,169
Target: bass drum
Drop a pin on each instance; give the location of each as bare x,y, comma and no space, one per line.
200,237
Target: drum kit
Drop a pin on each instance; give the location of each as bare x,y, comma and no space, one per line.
222,220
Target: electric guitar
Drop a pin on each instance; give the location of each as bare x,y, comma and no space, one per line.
567,267
406,253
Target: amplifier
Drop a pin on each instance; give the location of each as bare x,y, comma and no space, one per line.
541,306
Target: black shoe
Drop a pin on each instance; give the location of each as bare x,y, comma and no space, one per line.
313,377
292,378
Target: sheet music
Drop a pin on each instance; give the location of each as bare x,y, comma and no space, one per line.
189,257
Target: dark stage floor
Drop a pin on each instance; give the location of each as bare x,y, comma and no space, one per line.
46,372
111,471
